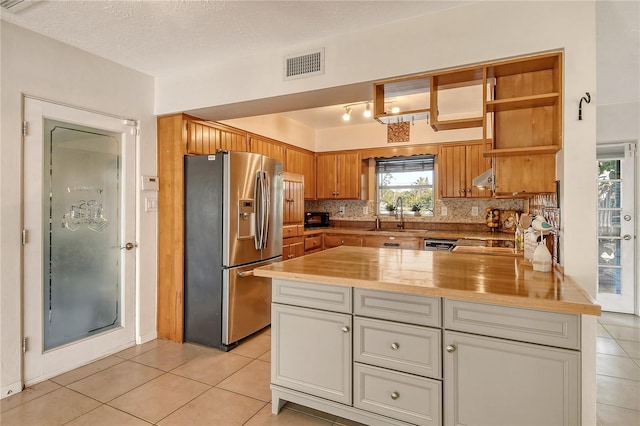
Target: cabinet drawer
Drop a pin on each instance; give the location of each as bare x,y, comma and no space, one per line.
318,296
408,348
401,396
527,325
331,241
393,242
409,308
313,243
290,231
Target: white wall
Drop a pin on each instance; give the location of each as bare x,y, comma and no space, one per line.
468,34
45,68
617,93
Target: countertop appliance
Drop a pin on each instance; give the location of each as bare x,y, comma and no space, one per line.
439,244
316,219
233,224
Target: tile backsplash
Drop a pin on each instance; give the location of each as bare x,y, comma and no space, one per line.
457,211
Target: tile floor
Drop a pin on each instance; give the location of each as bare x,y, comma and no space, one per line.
618,369
165,383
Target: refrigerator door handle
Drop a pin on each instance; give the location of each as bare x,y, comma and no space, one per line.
258,215
267,209
245,273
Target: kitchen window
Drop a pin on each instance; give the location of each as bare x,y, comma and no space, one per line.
405,182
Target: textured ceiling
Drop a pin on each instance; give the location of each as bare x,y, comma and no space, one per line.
158,37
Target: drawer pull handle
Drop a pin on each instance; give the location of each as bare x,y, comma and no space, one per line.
395,395
391,244
451,348
345,329
395,346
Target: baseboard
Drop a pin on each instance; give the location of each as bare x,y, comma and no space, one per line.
11,389
146,338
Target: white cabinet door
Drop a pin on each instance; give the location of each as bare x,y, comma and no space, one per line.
491,381
311,351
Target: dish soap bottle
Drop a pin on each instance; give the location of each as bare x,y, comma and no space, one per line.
541,258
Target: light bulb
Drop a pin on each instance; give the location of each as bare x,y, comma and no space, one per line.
367,111
395,110
347,114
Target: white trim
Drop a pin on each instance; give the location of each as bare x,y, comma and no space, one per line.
11,389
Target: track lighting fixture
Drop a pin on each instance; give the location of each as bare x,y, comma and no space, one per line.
366,114
367,110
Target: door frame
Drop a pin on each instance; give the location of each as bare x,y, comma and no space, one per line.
630,150
89,349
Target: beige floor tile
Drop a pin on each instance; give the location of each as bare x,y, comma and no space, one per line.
87,370
624,333
253,380
34,391
140,349
604,345
115,381
159,397
346,422
215,407
254,346
617,366
618,392
631,347
286,417
171,355
602,332
614,318
213,367
55,408
266,357
616,416
107,416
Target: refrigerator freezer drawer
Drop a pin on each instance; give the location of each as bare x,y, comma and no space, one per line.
246,302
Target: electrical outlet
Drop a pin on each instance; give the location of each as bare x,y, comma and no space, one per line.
443,211
474,211
341,210
365,210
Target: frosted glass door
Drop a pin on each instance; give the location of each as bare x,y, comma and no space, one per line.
81,247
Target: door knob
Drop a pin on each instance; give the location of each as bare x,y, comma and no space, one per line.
395,395
395,346
345,329
129,246
627,217
451,348
627,237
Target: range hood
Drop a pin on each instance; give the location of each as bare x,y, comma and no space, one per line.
484,181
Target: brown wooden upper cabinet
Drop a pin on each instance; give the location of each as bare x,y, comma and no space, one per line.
205,138
458,164
456,99
525,111
303,162
268,147
338,175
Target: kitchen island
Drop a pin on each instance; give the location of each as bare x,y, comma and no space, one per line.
387,336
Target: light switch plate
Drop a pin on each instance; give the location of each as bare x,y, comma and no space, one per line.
443,211
150,204
365,210
474,211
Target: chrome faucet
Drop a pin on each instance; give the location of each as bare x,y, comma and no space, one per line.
399,206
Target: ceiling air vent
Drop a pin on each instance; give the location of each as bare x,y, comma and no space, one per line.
304,65
15,6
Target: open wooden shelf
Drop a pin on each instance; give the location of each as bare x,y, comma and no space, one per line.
526,150
533,101
461,123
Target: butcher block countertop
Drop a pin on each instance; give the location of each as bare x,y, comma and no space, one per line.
497,280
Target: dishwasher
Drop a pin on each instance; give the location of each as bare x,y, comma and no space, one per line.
438,244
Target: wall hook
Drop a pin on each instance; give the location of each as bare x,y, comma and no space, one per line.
587,99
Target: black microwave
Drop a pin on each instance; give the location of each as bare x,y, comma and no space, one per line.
316,219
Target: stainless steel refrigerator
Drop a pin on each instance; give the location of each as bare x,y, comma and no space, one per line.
233,224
